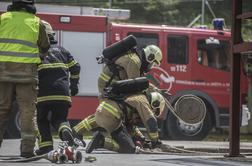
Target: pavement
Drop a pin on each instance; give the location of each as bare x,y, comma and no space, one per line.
210,146
220,149
193,153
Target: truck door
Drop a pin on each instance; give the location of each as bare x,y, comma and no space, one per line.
211,71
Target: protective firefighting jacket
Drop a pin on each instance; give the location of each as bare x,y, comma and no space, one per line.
125,67
57,73
19,52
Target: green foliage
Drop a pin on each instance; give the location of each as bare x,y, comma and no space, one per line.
169,12
247,30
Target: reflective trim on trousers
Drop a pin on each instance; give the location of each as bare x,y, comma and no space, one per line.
110,109
45,144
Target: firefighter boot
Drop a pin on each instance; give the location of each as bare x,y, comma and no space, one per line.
78,139
26,148
65,133
44,150
96,142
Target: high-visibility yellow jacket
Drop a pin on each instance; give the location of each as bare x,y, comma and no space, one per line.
19,52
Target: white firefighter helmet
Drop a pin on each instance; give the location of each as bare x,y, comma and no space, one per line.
49,30
153,54
157,103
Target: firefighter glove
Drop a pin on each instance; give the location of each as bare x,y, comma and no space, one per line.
74,89
156,144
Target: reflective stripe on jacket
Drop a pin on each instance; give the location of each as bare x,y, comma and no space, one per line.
56,72
128,66
18,37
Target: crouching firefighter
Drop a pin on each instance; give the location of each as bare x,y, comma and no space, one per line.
124,102
58,81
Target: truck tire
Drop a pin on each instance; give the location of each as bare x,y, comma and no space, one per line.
13,128
180,131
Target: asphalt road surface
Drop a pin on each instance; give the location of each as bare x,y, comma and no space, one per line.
108,158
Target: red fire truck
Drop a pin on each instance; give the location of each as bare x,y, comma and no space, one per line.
196,61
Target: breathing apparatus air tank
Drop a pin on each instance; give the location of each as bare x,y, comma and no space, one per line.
119,48
128,86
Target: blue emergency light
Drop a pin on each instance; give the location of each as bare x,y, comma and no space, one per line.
218,23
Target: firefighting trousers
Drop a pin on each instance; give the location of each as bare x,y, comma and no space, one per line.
48,115
26,96
86,125
124,140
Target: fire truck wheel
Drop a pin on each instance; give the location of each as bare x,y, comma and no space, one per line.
13,128
178,130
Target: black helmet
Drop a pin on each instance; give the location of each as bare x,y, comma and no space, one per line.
24,1
18,5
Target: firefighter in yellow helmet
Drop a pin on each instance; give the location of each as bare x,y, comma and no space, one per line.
113,114
23,41
58,81
129,65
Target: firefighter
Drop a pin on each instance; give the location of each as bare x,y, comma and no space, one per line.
133,64
22,41
58,81
91,125
130,65
109,115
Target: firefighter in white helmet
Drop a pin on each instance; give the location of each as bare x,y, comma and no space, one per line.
114,114
153,55
130,65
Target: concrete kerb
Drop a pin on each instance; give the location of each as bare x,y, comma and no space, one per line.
215,150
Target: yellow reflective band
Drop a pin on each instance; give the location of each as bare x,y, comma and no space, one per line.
55,97
52,65
153,135
20,59
104,77
110,109
84,124
25,135
75,76
137,132
64,126
133,58
72,63
44,144
78,127
111,144
17,41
